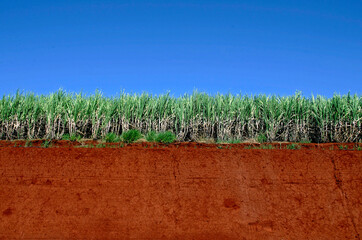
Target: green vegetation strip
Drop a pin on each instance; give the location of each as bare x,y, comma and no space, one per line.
165,142
190,117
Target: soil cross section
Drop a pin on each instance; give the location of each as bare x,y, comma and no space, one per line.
138,192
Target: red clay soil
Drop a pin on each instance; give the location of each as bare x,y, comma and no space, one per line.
179,192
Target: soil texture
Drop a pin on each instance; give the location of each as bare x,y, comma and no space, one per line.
181,191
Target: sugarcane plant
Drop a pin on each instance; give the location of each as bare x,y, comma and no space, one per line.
190,117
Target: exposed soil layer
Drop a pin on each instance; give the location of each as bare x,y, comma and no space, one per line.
181,191
101,144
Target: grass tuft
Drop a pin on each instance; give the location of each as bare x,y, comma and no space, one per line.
112,137
262,138
151,136
73,137
131,136
165,137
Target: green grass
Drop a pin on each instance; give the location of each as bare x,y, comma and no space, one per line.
262,138
73,137
112,137
161,137
190,117
165,137
151,136
293,146
131,136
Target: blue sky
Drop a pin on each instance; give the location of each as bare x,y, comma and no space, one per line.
248,47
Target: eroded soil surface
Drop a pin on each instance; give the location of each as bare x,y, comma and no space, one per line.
184,191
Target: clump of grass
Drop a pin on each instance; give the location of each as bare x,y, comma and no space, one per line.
46,144
165,137
66,136
73,137
262,138
101,145
131,136
293,146
151,136
112,137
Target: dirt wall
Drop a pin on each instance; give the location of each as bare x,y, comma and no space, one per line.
179,193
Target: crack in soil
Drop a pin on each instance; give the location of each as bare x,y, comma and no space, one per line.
338,180
175,170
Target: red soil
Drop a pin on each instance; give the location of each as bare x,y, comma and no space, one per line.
183,191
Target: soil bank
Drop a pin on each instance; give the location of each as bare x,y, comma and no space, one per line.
179,193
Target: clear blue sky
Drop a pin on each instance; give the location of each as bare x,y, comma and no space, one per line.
249,47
